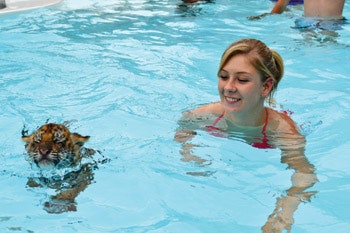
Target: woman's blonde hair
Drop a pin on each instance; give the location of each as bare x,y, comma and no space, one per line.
265,60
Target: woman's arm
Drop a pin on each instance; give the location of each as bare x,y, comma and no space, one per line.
188,125
280,6
303,178
190,122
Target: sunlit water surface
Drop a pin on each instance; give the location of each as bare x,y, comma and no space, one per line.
122,72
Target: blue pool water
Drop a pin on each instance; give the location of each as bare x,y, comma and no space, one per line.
123,72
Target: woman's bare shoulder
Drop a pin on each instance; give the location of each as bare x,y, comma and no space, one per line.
212,108
281,123
201,116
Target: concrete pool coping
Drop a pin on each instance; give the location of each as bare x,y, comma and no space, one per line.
13,6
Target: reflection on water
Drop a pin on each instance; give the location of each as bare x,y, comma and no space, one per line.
318,30
66,187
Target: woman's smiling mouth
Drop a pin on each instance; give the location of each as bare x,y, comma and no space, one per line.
231,99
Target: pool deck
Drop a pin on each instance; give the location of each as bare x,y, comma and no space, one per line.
23,5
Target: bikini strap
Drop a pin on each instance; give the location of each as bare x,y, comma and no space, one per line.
264,143
218,119
266,122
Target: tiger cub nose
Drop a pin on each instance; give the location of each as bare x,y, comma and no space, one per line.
44,150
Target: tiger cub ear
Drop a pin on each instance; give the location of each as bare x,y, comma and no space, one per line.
79,139
27,138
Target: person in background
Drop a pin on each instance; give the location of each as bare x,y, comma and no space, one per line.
324,14
329,9
248,75
2,4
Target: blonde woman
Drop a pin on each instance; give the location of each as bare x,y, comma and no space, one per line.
248,75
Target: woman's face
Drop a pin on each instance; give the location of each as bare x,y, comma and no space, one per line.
240,87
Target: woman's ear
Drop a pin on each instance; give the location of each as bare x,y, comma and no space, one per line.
267,86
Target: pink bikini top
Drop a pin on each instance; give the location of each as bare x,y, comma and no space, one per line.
261,144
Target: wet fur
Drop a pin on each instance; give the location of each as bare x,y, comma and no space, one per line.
53,146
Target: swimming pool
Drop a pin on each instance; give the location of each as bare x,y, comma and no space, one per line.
122,72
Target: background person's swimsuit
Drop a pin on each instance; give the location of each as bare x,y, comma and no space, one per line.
313,23
293,2
263,142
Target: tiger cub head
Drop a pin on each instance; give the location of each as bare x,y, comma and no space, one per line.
53,145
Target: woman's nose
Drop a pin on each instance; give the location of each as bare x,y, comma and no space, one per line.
230,85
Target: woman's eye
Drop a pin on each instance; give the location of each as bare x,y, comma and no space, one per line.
223,77
243,80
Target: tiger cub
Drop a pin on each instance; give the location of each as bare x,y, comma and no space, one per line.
53,145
